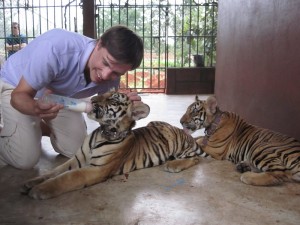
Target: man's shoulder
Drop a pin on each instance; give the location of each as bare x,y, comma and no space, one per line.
58,35
9,39
63,32
64,39
10,36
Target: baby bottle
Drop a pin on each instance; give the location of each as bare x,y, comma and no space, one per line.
73,104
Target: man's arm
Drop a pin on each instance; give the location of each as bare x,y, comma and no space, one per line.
16,47
22,99
22,45
23,41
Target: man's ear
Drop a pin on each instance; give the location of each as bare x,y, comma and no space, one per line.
140,110
99,44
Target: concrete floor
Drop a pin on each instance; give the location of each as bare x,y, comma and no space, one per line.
209,193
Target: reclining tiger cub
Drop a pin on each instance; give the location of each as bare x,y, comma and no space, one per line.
114,148
263,156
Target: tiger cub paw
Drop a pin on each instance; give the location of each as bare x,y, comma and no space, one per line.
28,185
47,189
264,178
40,192
243,167
179,165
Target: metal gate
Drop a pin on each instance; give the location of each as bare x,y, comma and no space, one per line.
175,32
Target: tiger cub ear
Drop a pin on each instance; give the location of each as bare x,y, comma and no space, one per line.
140,110
212,105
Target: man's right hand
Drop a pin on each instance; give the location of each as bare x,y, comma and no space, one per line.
47,111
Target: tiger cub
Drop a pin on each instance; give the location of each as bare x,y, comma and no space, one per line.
263,156
114,148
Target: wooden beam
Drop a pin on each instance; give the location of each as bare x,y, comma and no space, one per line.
89,22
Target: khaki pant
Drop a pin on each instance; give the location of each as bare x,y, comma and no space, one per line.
20,137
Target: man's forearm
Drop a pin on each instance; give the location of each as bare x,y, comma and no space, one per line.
23,45
13,47
23,103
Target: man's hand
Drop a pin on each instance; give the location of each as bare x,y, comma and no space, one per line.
47,111
133,96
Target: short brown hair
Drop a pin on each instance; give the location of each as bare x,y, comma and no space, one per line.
15,24
124,45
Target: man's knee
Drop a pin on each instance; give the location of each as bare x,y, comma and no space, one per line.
28,163
68,132
21,159
68,145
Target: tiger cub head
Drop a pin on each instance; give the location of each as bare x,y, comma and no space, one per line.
116,113
199,114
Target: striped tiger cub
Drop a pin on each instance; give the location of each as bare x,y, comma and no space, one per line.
115,148
263,156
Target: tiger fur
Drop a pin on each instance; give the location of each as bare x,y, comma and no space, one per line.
114,148
263,156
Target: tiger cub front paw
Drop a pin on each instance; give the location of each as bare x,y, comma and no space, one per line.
47,189
39,192
28,185
243,167
178,165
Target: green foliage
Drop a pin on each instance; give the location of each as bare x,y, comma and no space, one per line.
180,30
196,30
172,33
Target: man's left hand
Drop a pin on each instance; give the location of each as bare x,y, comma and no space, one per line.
133,96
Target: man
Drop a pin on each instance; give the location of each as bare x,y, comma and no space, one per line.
67,64
15,41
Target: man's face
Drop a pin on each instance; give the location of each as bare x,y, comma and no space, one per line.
103,66
15,30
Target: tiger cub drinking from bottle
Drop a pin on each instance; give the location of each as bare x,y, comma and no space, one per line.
115,148
263,156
